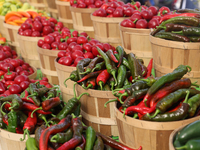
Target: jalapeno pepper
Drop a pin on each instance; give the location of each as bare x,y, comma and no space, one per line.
62,137
192,144
194,103
98,144
121,76
90,138
73,76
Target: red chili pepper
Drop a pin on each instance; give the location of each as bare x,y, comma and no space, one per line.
48,85
30,123
120,109
166,17
177,107
91,83
5,119
10,75
149,68
45,79
31,107
2,88
61,126
163,10
102,78
42,82
32,80
111,55
90,75
50,103
30,100
19,130
7,106
130,79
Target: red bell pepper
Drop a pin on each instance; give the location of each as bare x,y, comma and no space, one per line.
163,10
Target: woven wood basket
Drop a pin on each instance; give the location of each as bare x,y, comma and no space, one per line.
63,73
64,13
47,64
29,52
148,134
40,4
136,41
34,75
107,30
82,21
168,55
52,8
95,114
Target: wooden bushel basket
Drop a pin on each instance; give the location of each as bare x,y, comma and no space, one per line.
64,73
11,141
39,4
95,114
29,52
107,29
47,64
64,13
12,36
136,41
168,55
34,75
82,21
52,8
3,30
150,135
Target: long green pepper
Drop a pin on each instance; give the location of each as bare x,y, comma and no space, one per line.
90,138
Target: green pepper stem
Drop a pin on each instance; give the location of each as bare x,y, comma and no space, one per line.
189,68
2,107
182,147
157,112
40,108
9,73
67,79
113,100
112,86
45,120
54,138
145,102
94,69
177,32
121,96
26,132
35,94
84,87
135,116
53,115
101,85
194,84
113,73
14,105
186,97
124,112
113,91
82,95
74,89
89,86
88,70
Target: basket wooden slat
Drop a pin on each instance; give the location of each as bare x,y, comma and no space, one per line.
82,21
95,114
29,52
39,4
52,8
34,75
64,13
11,141
3,30
63,73
168,55
150,135
107,29
47,64
137,41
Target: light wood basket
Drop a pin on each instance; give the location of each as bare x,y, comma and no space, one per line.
47,64
82,21
52,8
64,13
95,114
29,52
34,75
3,30
150,135
136,41
63,73
12,36
11,141
39,4
168,55
107,29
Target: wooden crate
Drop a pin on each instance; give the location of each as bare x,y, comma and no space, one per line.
168,55
64,13
107,29
136,41
95,114
11,141
47,64
29,52
52,8
82,21
150,135
63,73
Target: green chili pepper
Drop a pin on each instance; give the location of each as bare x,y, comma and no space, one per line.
9,98
111,68
21,117
194,38
33,88
121,52
124,61
70,106
191,31
80,68
179,114
121,76
99,66
188,11
106,87
30,142
77,111
73,76
16,103
111,82
62,137
90,138
193,144
126,82
51,93
194,103
98,144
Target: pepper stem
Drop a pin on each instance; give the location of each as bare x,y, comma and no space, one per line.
35,94
186,97
2,107
88,70
121,96
14,105
94,69
101,85
145,102
45,120
26,132
194,84
189,68
112,86
113,73
82,95
54,138
177,32
135,116
113,100
113,91
182,147
74,89
9,73
124,112
157,112
66,80
89,86
40,108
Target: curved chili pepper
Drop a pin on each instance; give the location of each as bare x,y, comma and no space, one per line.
115,144
81,146
194,103
111,82
92,64
149,68
62,137
30,142
90,138
61,126
50,103
190,31
99,66
111,69
124,61
121,76
51,93
90,75
38,133
111,55
121,52
98,145
102,78
91,83
32,88
173,27
177,74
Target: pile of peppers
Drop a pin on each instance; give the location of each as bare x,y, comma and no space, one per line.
182,26
188,138
167,98
110,70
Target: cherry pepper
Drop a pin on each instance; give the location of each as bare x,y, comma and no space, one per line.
10,75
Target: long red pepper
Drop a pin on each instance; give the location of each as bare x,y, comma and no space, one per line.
61,126
32,107
149,68
91,83
90,75
30,122
50,103
102,78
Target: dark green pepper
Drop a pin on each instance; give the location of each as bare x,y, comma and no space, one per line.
98,144
33,88
73,76
121,76
90,138
31,143
99,66
62,137
21,117
194,103
193,144
38,133
121,52
124,61
12,121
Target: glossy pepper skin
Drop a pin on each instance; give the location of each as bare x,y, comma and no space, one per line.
90,75
38,133
174,27
99,66
124,61
10,75
121,76
32,88
193,144
12,121
121,53
50,103
90,138
102,78
170,116
111,55
194,103
98,145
